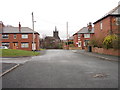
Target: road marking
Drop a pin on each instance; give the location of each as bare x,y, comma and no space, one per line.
9,70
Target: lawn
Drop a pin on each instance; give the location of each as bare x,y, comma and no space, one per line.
17,53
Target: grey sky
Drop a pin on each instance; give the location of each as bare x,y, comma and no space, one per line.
51,13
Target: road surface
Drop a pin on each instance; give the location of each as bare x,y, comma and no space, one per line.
63,69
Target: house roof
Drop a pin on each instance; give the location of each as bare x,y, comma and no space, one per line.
71,38
85,30
113,12
16,30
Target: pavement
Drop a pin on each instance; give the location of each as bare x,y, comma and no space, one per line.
101,56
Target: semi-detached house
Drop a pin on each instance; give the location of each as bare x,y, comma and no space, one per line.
81,38
19,38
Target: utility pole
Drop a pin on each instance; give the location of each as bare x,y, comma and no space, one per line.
67,36
33,44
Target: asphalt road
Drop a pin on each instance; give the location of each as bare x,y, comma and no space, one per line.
63,69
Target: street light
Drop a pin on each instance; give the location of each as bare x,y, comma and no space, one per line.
67,36
33,44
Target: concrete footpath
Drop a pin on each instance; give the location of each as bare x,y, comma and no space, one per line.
102,56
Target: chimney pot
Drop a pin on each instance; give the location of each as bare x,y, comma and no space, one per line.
19,27
89,26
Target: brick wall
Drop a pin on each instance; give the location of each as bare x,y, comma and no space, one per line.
75,40
106,51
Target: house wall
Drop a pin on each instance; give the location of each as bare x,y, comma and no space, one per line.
108,24
82,39
20,40
75,41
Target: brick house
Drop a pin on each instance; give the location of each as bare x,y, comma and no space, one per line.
75,39
109,24
19,38
81,38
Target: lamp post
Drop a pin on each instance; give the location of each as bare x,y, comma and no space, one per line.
67,36
33,44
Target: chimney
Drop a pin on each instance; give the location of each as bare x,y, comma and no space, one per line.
19,27
89,26
1,27
1,24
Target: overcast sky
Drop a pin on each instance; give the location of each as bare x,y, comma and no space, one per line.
51,13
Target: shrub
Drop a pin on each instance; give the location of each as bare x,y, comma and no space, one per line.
93,42
96,41
116,43
108,41
71,45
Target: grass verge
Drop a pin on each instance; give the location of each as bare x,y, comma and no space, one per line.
17,53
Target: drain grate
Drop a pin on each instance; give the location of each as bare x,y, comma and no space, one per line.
100,75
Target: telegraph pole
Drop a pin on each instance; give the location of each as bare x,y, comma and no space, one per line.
67,36
33,44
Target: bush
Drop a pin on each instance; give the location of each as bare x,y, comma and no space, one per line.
116,43
109,40
96,41
93,42
71,45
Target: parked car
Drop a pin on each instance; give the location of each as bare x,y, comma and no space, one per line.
3,47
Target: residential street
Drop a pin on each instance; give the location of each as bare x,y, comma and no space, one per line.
63,69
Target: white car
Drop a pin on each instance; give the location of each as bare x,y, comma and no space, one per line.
3,47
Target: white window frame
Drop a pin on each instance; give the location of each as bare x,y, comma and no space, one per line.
101,25
24,45
24,36
79,35
7,44
3,36
15,36
86,35
117,20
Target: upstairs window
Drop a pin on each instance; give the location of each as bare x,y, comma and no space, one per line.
86,35
24,36
5,36
79,35
15,36
117,20
101,25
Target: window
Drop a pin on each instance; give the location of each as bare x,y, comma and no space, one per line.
101,25
24,45
5,36
86,35
117,20
24,36
78,35
5,44
15,36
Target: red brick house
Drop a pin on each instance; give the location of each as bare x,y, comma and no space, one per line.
75,39
109,24
19,38
81,38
